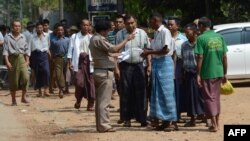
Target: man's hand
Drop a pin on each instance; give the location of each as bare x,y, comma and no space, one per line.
27,63
149,70
199,80
224,79
9,66
145,53
130,37
117,73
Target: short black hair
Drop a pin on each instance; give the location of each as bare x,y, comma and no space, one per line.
55,26
156,15
119,16
206,22
176,19
129,16
102,25
45,21
192,26
59,24
39,23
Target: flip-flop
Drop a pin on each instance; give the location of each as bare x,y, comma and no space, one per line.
212,129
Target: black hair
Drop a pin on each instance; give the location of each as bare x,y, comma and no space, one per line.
192,26
39,23
59,24
206,22
156,15
102,25
45,21
176,19
127,17
3,28
119,16
56,25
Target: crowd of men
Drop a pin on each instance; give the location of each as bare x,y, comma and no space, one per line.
157,79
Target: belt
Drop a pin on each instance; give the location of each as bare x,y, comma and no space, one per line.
107,69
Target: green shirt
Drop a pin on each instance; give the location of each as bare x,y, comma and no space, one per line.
213,47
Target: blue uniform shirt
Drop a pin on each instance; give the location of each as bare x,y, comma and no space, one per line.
59,46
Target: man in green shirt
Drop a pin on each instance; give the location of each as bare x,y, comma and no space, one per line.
211,69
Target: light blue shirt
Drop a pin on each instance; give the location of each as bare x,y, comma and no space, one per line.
180,39
133,46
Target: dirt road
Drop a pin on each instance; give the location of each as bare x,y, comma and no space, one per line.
55,119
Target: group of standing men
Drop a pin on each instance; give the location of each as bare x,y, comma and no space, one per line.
126,53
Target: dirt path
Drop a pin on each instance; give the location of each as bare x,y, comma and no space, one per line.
55,119
11,128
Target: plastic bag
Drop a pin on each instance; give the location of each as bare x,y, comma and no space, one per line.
226,88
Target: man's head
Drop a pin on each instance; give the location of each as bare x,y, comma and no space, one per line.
173,24
45,25
191,31
103,27
39,28
30,26
119,22
155,20
16,26
60,30
204,24
130,23
85,26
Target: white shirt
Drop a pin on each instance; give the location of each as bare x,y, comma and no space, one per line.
162,37
40,44
78,43
47,33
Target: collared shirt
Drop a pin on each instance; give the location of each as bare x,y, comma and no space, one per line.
112,37
134,46
188,57
178,41
162,38
40,44
28,35
78,43
59,46
100,48
14,45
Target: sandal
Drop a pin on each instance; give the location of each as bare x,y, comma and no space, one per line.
90,109
190,124
24,101
212,129
108,130
171,128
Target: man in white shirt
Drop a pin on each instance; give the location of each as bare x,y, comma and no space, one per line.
39,59
79,44
46,29
162,104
